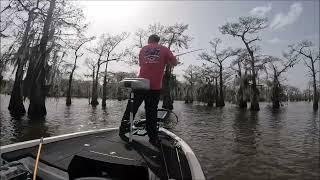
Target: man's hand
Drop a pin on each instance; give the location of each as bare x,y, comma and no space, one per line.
178,62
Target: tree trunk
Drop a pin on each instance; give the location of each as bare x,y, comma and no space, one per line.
189,96
220,99
275,93
242,102
210,94
216,89
255,92
104,89
94,98
254,106
16,107
68,99
167,97
1,78
315,92
88,94
37,106
93,78
28,79
309,93
186,99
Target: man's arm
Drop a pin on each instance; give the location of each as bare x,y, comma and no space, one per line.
140,57
172,60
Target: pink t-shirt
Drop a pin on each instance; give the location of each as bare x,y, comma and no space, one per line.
152,60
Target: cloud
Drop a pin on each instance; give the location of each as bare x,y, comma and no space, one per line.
261,11
281,20
274,40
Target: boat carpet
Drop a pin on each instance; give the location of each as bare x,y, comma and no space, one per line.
108,147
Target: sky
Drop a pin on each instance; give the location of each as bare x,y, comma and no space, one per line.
289,22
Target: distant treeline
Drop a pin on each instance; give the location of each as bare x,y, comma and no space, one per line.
82,89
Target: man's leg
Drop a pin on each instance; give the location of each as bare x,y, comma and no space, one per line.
151,106
137,101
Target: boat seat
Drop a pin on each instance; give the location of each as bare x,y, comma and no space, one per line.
135,83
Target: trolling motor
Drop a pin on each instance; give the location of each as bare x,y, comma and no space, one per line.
134,84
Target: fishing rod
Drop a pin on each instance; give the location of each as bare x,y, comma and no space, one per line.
37,160
188,52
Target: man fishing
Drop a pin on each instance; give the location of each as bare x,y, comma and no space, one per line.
152,61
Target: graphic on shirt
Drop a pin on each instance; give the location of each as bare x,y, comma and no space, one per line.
152,55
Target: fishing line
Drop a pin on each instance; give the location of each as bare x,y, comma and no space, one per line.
188,52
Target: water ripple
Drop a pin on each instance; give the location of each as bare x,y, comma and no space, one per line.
229,143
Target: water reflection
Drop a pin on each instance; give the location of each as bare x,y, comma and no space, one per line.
245,132
230,143
23,132
313,127
67,112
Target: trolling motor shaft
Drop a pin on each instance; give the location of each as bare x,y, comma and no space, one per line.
134,84
131,115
